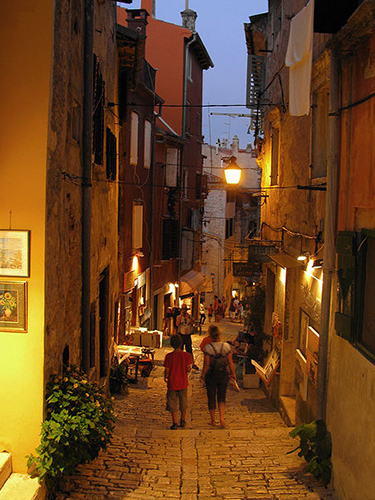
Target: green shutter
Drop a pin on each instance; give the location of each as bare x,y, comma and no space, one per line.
345,318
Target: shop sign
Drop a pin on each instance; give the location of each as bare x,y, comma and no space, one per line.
246,269
142,279
260,253
129,279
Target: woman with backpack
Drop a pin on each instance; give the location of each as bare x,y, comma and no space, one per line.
217,369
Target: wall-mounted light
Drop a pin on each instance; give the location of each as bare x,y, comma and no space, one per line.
232,172
303,256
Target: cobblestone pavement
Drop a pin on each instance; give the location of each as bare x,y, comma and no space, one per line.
245,461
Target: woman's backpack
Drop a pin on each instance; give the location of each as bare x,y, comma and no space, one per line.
219,364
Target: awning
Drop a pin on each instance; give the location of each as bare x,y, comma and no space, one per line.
285,260
190,282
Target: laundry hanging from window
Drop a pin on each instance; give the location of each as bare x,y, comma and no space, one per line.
299,60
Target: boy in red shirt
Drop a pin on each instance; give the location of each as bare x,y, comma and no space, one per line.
177,365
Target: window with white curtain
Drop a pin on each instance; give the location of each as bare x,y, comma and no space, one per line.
134,139
147,145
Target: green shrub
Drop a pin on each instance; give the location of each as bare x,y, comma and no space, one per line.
79,423
316,447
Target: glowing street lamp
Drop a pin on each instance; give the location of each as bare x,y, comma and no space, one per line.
232,172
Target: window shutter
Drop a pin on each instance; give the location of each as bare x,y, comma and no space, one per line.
170,239
111,155
137,228
147,145
345,318
255,80
134,139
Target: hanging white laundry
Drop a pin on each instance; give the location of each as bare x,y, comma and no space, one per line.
299,60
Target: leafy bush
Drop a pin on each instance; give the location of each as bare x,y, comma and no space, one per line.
79,423
316,447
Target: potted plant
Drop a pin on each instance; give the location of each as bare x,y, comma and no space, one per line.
118,380
79,423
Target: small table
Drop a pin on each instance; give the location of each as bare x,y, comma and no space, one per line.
133,353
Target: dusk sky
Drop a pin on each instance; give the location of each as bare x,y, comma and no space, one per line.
220,25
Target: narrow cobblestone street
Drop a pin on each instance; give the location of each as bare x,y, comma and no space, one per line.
246,460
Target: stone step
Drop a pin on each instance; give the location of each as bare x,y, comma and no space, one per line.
5,467
21,487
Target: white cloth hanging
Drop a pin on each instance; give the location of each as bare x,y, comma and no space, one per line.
299,60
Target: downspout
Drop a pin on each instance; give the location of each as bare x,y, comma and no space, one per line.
86,186
329,257
184,101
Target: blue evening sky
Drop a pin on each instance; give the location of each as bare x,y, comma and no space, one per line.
220,25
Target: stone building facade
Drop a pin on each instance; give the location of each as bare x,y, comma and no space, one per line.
60,66
313,170
231,218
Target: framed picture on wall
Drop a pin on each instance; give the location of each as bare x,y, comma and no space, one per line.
14,253
13,306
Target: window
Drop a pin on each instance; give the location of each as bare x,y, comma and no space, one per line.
147,145
111,155
185,186
365,292
137,226
275,140
170,239
134,139
355,320
171,167
98,113
228,228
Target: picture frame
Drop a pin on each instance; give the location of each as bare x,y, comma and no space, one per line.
13,306
15,253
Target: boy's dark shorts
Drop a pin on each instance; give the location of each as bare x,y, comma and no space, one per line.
175,399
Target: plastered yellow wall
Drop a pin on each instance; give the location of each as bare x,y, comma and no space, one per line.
25,52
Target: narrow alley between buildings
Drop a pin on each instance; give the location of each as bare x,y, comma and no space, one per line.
146,460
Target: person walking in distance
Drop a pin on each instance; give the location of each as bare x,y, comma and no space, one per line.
210,313
202,314
184,324
217,369
177,365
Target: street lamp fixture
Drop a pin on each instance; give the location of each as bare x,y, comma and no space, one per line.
232,172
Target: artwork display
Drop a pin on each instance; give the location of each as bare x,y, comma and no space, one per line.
14,253
13,306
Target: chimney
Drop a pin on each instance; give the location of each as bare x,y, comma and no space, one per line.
137,20
188,19
235,145
149,5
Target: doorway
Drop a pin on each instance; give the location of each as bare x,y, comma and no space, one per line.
103,322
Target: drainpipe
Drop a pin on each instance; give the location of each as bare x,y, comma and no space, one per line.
184,101
86,186
329,258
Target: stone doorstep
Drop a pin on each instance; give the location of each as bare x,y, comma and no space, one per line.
288,410
22,487
5,467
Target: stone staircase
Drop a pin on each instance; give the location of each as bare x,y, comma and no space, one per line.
14,486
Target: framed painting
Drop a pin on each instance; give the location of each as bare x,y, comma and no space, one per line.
14,253
13,306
